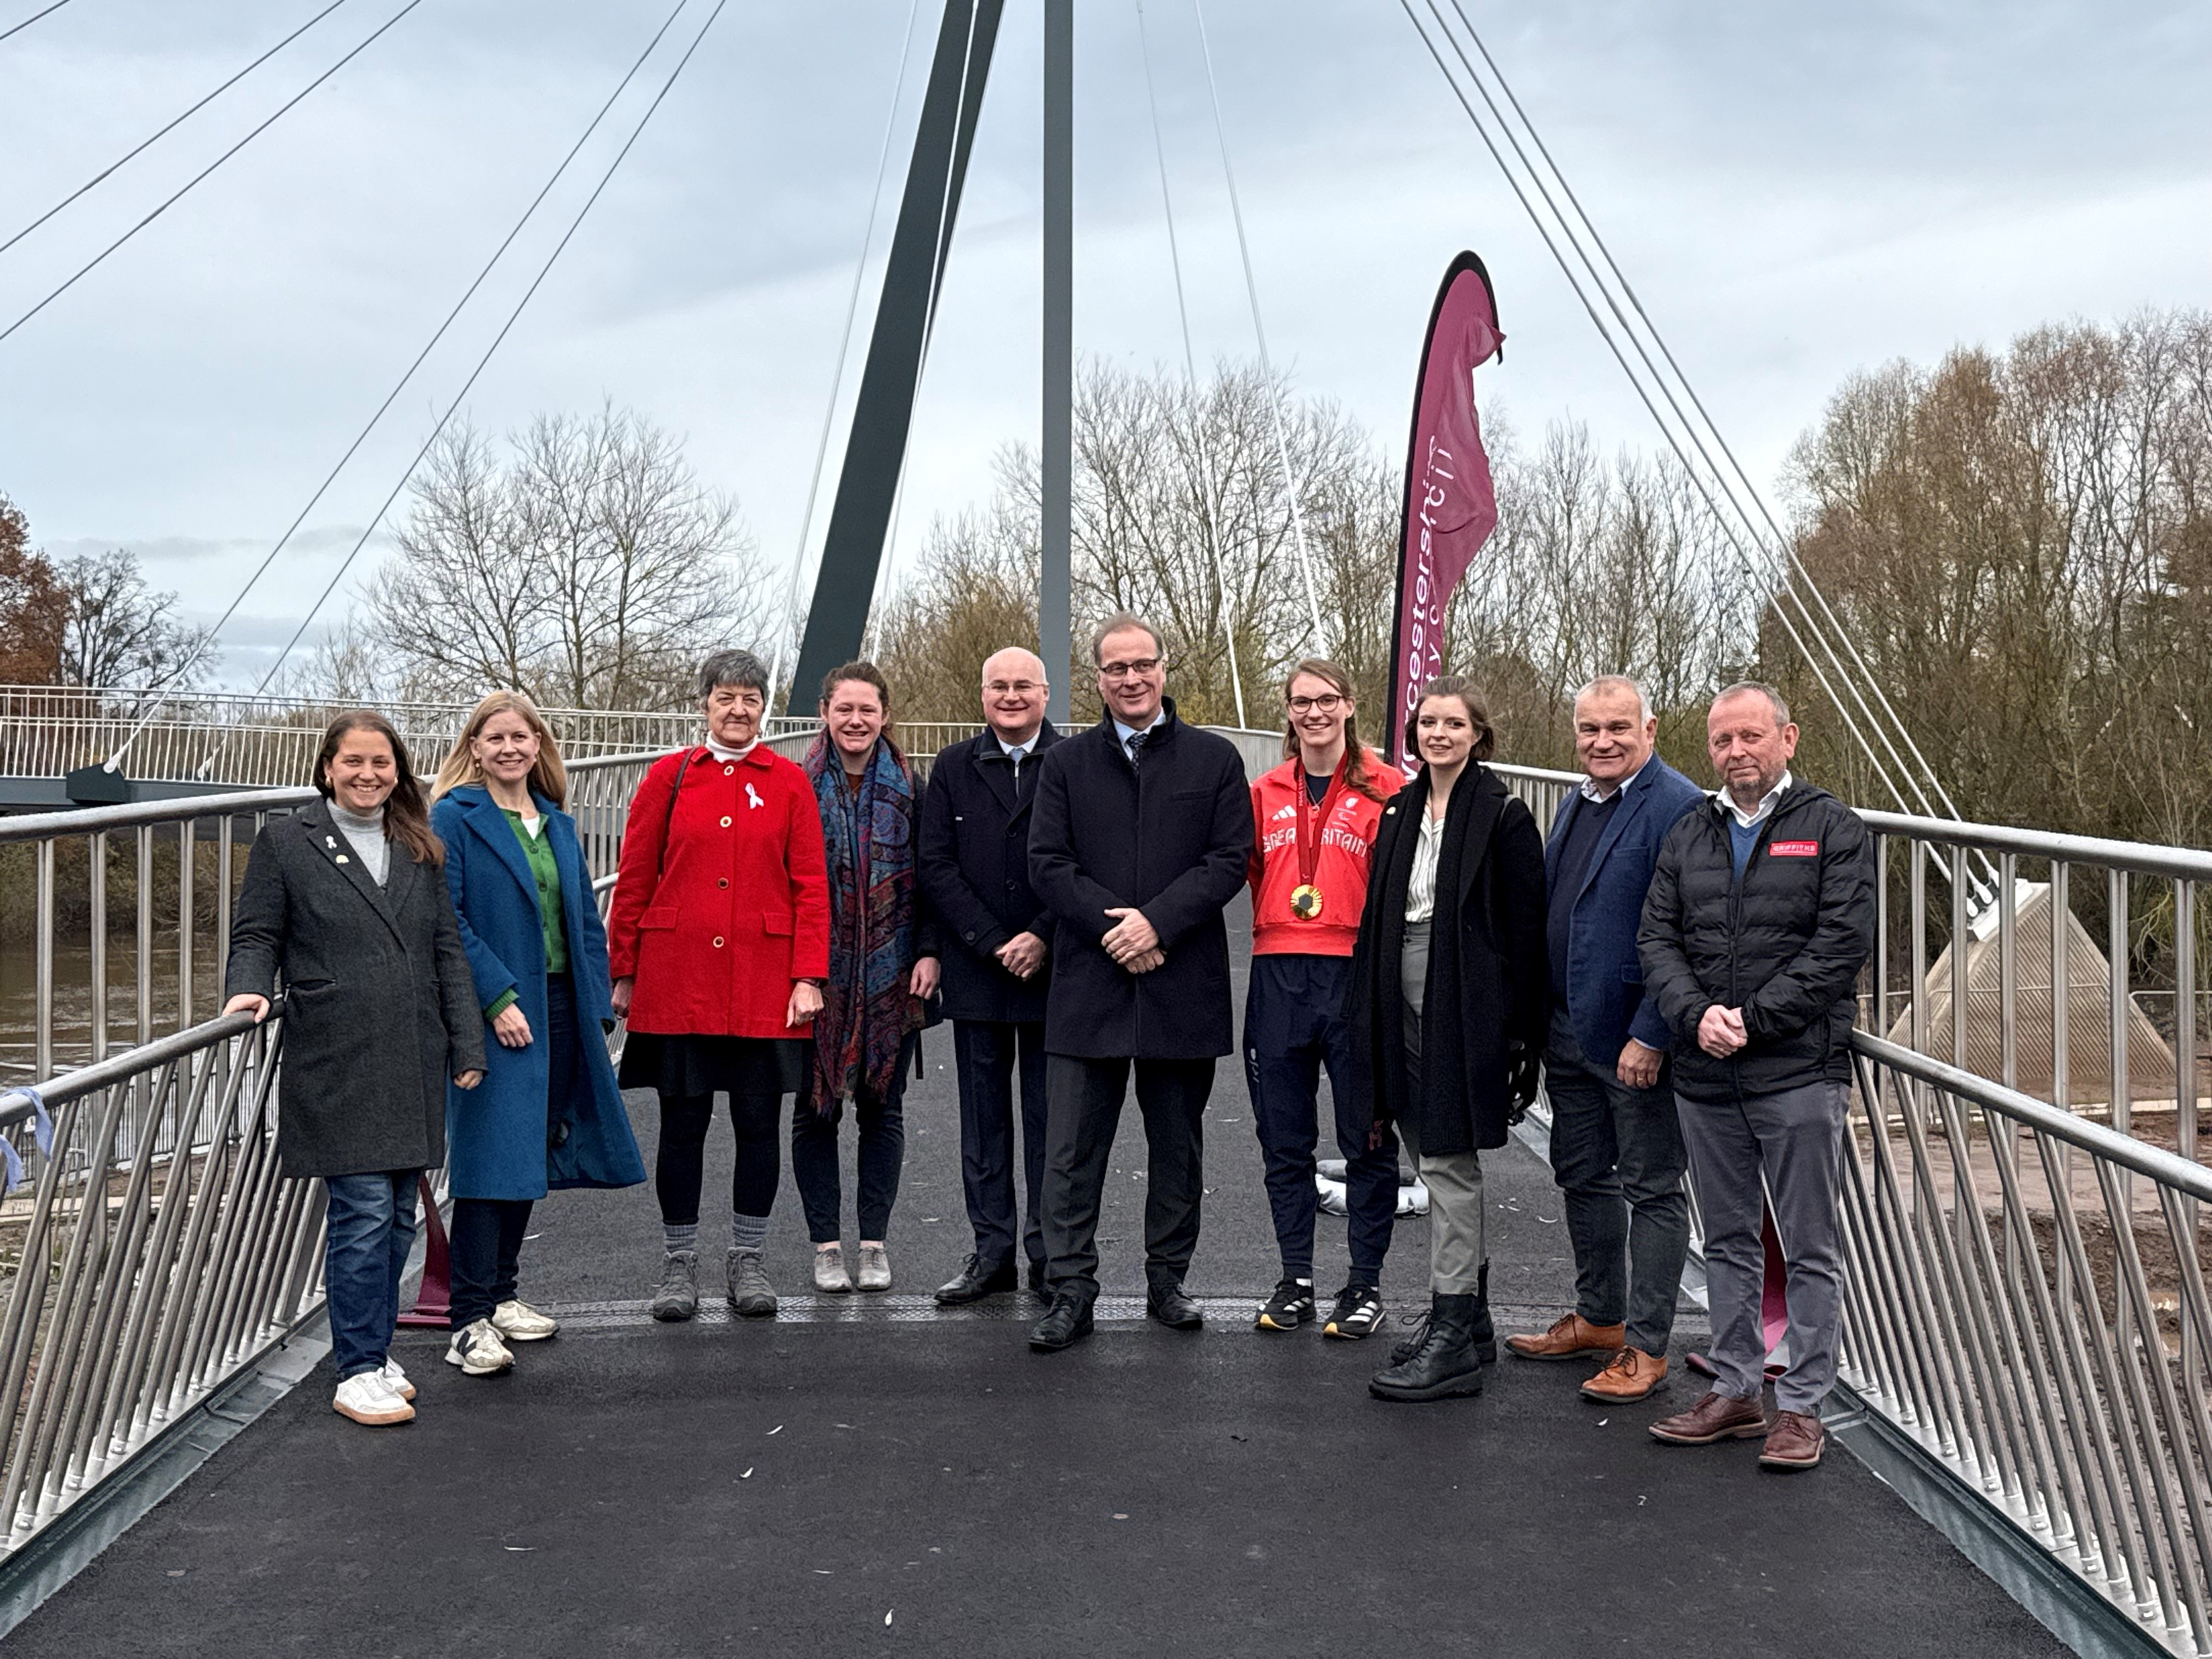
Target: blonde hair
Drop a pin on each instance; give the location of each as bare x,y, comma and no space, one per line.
548,776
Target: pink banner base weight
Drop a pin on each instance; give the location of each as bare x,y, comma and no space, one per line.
1774,1303
433,1302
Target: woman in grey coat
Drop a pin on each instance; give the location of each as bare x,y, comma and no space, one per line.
346,900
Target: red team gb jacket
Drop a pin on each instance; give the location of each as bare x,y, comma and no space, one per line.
1339,871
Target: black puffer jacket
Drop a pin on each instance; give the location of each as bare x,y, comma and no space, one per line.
1785,945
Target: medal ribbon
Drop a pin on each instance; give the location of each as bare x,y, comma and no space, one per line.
1311,819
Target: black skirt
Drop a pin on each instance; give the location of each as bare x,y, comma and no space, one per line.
685,1067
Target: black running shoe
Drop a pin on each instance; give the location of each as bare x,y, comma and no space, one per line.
1291,1306
1358,1313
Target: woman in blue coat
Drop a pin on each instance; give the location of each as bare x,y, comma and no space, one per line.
548,1114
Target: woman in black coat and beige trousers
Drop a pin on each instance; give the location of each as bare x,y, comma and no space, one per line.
346,900
1450,988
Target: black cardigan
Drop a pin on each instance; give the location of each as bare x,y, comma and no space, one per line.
1494,864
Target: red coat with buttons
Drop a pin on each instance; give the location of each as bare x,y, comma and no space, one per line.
718,910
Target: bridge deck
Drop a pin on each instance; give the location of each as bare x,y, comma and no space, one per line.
787,1487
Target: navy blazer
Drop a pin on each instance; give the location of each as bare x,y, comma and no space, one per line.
975,872
1606,1003
497,1133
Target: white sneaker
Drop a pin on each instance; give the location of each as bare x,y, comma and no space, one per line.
476,1349
875,1268
829,1274
517,1322
397,1380
366,1397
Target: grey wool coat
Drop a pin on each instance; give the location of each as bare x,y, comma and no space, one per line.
380,1007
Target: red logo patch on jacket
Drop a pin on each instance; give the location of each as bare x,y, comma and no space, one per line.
1794,849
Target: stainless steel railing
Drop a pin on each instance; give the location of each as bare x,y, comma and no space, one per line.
2026,1297
139,1281
1978,922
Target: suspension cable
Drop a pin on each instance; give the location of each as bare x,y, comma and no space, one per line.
1290,483
115,759
837,376
1208,528
1787,544
1576,229
514,317
179,195
360,438
163,132
19,27
1712,476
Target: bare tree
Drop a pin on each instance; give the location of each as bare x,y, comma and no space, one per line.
590,566
119,631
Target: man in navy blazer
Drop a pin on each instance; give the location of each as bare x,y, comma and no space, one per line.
1616,1143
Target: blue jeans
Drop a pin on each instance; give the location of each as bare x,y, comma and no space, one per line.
372,1228
1617,1154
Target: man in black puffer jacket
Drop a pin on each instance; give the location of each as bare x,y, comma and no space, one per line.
1761,915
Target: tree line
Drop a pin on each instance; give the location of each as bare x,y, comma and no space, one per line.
2018,543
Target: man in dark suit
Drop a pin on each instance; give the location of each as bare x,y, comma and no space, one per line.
975,873
1616,1143
1138,837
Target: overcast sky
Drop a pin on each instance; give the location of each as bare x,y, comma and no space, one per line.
1797,193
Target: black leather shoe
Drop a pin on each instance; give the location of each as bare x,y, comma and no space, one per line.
1068,1320
1173,1310
976,1280
1036,1277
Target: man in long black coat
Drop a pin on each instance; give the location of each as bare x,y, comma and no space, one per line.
975,872
1138,838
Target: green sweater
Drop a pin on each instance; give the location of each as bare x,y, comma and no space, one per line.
538,849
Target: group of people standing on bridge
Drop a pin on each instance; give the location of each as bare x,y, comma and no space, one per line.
1675,971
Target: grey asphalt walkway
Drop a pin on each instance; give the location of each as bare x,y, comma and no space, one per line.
870,1476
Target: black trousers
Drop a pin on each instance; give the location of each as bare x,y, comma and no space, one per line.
987,1052
1082,1111
485,1249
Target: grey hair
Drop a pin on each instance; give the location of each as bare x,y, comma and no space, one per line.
739,668
1781,709
1126,619
1620,682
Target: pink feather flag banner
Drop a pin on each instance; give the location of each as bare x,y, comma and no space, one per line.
1452,505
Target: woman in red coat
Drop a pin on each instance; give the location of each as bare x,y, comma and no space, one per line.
718,939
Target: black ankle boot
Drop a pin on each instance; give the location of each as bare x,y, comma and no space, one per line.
1446,1365
1485,1333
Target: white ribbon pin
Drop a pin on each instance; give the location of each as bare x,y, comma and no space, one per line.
752,797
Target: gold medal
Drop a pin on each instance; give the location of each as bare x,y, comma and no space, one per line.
1306,902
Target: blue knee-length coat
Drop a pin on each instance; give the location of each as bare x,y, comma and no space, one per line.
496,1133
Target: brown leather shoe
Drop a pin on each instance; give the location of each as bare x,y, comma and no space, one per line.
1716,1417
1571,1337
1630,1375
1795,1442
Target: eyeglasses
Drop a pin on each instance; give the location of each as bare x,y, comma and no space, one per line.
1327,704
1017,688
1122,671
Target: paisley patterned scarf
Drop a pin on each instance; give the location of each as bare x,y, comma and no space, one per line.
868,833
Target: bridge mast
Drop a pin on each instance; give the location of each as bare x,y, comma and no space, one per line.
868,485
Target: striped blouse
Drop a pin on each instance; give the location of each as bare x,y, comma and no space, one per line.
1421,885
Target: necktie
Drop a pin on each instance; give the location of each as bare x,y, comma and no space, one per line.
1137,745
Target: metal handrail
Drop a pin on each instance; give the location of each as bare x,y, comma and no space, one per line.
152,1268
131,815
2014,1306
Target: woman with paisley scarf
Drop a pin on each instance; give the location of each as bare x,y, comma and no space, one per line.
882,972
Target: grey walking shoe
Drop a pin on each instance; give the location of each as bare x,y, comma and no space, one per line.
677,1296
829,1275
751,1297
875,1268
